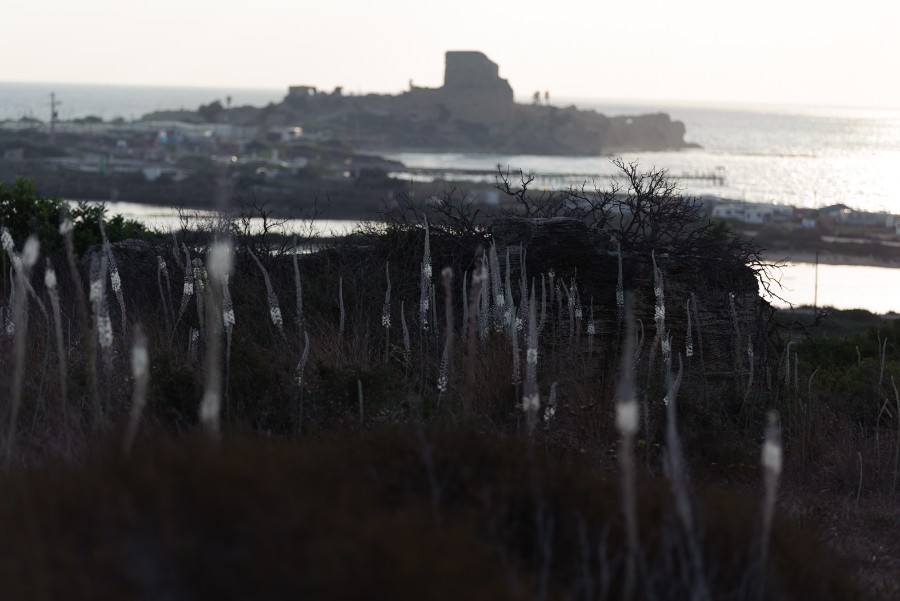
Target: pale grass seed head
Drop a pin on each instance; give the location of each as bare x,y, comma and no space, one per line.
275,314
627,417
386,307
219,261
140,359
666,343
50,278
550,408
96,288
7,242
228,318
104,331
30,252
771,455
115,281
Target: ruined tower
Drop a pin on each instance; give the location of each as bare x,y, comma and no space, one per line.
473,89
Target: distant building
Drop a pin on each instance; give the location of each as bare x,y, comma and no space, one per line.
865,219
752,213
297,92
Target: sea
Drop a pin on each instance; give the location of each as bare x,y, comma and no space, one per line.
812,156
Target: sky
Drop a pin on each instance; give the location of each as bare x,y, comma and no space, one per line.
789,52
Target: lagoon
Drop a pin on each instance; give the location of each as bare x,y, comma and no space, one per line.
876,289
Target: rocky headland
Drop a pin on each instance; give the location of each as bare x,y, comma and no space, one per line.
474,111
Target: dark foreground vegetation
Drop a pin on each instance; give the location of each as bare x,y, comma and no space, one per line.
584,398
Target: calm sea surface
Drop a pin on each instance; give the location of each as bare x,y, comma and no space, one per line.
19,100
793,155
804,157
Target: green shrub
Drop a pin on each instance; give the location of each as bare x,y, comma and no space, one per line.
24,212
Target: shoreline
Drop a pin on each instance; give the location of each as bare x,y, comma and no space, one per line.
809,257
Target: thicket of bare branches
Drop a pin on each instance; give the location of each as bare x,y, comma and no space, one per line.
645,211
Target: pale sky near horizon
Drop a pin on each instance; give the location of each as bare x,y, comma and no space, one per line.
769,51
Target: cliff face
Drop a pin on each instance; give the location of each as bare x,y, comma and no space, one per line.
473,111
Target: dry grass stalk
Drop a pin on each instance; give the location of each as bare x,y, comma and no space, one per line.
140,371
407,350
509,313
550,407
433,305
274,308
477,294
464,329
342,317
484,311
689,336
516,359
200,279
897,448
627,418
102,322
386,314
738,367
620,286
425,292
676,471
444,375
114,279
9,324
543,304
787,364
298,288
298,378
50,283
497,289
22,266
570,303
591,330
220,262
89,341
531,401
771,461
176,252
160,270
523,285
751,363
228,322
188,288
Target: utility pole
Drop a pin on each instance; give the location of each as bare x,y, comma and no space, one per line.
53,115
816,286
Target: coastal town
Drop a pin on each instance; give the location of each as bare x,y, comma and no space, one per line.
317,147
190,164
